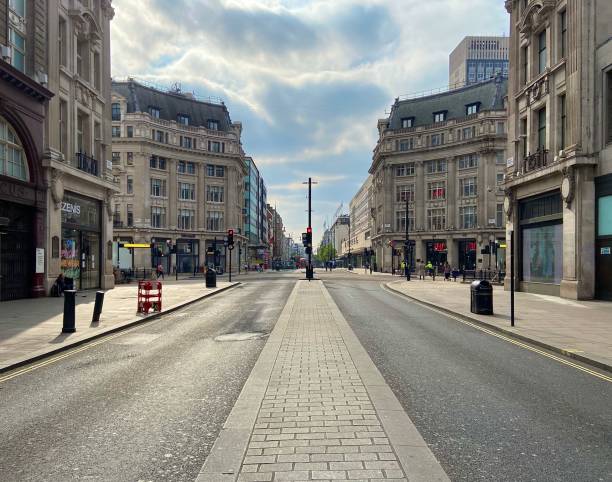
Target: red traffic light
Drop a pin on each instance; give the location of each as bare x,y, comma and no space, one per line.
309,230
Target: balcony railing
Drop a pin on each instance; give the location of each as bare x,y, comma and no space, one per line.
87,164
536,161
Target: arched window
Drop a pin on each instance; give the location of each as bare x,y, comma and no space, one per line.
12,158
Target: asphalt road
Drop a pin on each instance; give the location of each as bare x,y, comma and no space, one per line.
489,409
146,405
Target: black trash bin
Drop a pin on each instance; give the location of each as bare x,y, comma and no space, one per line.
211,278
481,300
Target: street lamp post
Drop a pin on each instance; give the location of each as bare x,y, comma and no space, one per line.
407,246
349,241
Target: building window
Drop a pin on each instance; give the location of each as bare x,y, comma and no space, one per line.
186,191
468,187
130,131
153,111
62,39
524,137
116,131
542,52
181,167
158,217
400,220
219,171
130,215
130,185
18,7
468,132
525,65
17,42
158,187
182,119
563,34
499,215
501,128
214,194
402,170
405,192
563,122
116,158
216,146
407,122
191,168
130,158
436,190
467,217
158,136
83,59
214,221
157,163
12,157
63,128
436,166
437,139
439,116
96,72
186,219
212,124
499,179
471,109
500,157
186,142
436,219
406,144
542,129
469,161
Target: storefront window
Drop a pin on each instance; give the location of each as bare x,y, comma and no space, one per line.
542,253
605,216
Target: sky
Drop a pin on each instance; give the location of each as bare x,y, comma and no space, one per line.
308,79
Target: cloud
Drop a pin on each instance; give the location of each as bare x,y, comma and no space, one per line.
307,78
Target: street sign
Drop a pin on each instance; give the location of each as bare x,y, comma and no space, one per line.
134,245
605,250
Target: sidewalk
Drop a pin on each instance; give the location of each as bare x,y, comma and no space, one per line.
580,329
32,328
316,408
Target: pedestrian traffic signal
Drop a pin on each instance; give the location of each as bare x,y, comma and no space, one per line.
308,243
230,237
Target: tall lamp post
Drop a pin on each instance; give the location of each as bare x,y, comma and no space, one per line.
407,245
349,241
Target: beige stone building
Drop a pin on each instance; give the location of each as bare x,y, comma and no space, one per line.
180,167
77,148
445,155
361,225
559,177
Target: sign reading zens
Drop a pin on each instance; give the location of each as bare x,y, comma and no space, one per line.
71,208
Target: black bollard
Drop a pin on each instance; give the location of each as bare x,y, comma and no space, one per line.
69,305
98,306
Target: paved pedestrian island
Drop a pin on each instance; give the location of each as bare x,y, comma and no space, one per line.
316,408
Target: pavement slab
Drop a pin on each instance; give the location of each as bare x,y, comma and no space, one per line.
316,408
578,329
32,328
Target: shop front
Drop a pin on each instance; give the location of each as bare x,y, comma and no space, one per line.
187,255
80,257
603,241
436,252
467,254
541,243
161,251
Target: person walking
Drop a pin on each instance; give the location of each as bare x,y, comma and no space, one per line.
430,269
160,271
421,269
447,271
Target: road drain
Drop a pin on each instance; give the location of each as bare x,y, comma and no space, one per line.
240,336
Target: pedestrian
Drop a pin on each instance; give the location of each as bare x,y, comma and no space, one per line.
455,274
58,286
430,269
403,267
447,271
421,269
160,271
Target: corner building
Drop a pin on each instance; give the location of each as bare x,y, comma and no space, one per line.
180,167
559,177
445,154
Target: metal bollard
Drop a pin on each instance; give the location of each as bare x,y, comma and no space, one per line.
98,307
69,306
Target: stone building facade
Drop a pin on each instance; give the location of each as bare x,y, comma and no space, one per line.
78,139
361,224
477,59
179,165
445,155
559,177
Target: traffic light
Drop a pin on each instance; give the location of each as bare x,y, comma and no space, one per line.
230,237
308,240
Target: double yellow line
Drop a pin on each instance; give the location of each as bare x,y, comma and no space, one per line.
506,338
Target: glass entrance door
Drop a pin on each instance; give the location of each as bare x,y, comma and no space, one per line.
90,260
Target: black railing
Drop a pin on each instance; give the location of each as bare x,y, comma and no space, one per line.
87,164
536,161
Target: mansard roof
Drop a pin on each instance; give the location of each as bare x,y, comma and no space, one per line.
489,95
170,104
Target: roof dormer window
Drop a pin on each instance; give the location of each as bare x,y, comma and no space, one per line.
472,108
182,119
212,124
407,122
153,111
440,116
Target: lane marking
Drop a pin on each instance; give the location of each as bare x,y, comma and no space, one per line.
504,337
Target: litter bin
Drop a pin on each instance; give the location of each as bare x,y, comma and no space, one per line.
211,278
481,300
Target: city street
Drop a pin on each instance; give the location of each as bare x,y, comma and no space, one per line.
148,403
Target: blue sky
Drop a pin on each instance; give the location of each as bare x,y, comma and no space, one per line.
307,78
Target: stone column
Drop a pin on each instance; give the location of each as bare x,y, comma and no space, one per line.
419,249
451,255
